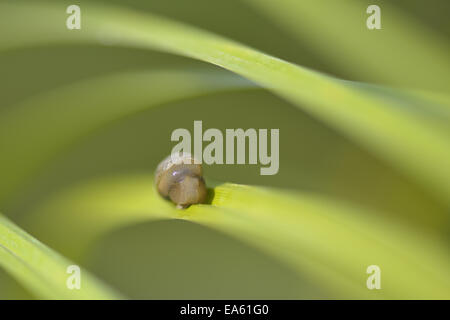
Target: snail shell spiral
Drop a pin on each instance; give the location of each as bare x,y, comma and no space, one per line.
180,179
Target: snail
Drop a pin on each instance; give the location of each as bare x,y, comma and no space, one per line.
179,178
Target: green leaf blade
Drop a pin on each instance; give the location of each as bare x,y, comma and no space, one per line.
43,271
330,242
417,149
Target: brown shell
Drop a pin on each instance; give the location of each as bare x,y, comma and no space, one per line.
180,179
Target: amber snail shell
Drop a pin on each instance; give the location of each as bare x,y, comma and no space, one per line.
180,179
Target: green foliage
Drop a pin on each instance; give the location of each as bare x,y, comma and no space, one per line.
41,270
319,237
329,241
394,133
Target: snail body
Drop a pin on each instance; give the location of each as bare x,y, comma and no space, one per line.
180,179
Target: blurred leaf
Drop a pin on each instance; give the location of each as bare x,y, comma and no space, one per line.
330,242
413,146
41,270
39,127
337,30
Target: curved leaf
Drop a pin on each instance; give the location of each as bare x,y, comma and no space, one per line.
414,147
43,271
338,32
87,105
331,242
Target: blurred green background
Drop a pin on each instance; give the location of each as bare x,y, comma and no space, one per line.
178,259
